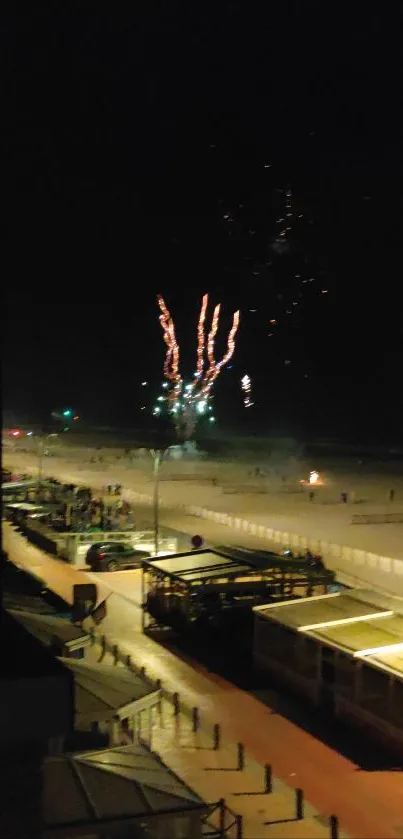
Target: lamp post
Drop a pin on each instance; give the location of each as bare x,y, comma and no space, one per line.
40,459
157,456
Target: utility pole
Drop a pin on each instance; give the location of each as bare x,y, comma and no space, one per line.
40,459
157,455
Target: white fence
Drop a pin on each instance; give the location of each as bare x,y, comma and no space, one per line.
353,566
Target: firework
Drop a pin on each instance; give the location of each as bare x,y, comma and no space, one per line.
246,386
186,403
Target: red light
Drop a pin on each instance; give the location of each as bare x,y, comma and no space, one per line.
15,433
101,556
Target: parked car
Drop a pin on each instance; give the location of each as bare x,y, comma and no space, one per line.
114,556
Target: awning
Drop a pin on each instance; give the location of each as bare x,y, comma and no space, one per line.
103,692
122,783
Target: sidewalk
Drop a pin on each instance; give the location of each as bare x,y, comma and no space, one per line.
214,774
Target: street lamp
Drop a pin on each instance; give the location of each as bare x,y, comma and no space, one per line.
157,456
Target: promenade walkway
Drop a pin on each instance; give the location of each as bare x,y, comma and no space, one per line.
266,806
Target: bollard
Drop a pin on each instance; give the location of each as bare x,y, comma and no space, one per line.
221,816
299,804
103,647
238,827
128,661
334,827
176,704
241,756
115,653
195,719
268,778
142,671
216,736
158,684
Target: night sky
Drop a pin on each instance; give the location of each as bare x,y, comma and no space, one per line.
151,150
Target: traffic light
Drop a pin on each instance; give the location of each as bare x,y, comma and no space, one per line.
67,413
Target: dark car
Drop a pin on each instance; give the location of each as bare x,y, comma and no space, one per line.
114,556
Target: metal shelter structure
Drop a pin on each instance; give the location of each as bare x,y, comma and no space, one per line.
189,588
114,791
67,638
111,698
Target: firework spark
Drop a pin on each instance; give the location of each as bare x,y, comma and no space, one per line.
186,404
246,386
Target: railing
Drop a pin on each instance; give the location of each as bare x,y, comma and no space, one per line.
221,821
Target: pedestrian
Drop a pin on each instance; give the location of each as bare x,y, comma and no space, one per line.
311,495
391,494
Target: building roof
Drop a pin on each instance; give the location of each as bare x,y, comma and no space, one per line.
198,566
46,628
361,623
122,782
103,692
354,603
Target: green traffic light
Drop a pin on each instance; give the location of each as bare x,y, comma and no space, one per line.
67,413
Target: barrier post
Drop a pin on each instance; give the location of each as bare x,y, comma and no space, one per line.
142,672
299,804
241,756
115,653
176,704
103,647
195,719
268,778
221,816
128,661
238,827
216,736
334,827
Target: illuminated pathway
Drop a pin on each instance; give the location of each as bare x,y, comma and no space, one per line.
369,804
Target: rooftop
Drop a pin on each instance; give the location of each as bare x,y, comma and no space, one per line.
47,627
197,566
123,782
365,624
101,691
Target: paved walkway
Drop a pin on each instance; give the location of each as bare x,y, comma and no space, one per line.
214,774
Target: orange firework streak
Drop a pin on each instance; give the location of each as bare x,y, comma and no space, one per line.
203,383
215,368
212,334
200,336
171,364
